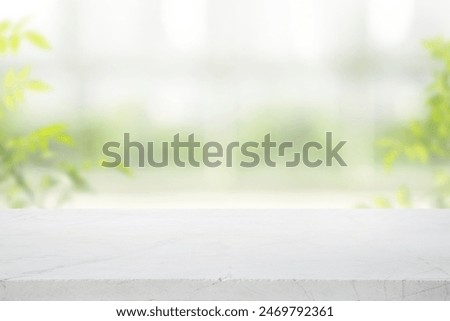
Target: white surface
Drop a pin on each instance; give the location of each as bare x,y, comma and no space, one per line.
225,254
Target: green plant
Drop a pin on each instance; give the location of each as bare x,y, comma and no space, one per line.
426,141
33,171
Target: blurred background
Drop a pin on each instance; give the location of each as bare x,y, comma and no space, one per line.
235,70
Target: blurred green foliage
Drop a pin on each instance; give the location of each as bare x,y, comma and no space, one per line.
33,171
426,141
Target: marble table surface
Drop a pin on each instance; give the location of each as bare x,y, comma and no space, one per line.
185,254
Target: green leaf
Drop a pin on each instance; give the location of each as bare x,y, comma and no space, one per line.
9,101
4,25
37,40
9,80
65,139
421,153
38,85
18,95
390,158
382,202
14,42
416,128
23,73
52,130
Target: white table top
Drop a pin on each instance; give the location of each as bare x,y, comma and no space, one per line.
225,245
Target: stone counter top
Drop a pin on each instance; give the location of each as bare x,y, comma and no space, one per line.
224,254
